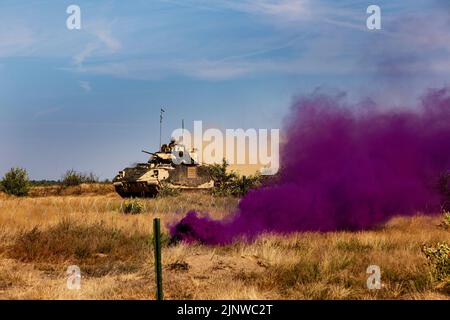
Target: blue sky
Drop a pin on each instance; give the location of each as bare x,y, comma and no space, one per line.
89,99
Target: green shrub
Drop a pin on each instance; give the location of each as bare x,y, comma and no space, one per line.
166,191
446,220
246,183
43,183
439,259
132,206
230,183
74,178
16,182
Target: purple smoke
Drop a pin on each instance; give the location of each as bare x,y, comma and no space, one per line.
343,168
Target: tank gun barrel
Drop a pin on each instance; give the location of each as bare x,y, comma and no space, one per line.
151,153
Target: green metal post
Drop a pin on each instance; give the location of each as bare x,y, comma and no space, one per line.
158,265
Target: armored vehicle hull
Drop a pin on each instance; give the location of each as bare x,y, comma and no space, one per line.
147,179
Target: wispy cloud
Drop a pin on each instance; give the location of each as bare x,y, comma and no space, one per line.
85,85
278,36
148,69
277,10
411,51
287,10
216,70
103,42
80,57
104,34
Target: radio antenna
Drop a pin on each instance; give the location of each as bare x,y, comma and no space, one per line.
182,128
160,127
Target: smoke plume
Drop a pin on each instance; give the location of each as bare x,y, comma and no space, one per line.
343,168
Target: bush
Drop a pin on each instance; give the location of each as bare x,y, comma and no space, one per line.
439,258
16,182
73,178
43,183
132,206
446,220
230,183
246,183
224,181
166,191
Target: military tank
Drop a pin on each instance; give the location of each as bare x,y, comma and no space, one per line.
171,167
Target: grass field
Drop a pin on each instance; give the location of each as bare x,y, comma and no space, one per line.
41,235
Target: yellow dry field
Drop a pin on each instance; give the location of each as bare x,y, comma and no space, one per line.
42,235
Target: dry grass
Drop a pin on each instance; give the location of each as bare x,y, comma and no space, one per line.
41,236
82,189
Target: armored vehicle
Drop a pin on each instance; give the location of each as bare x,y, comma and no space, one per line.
171,167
